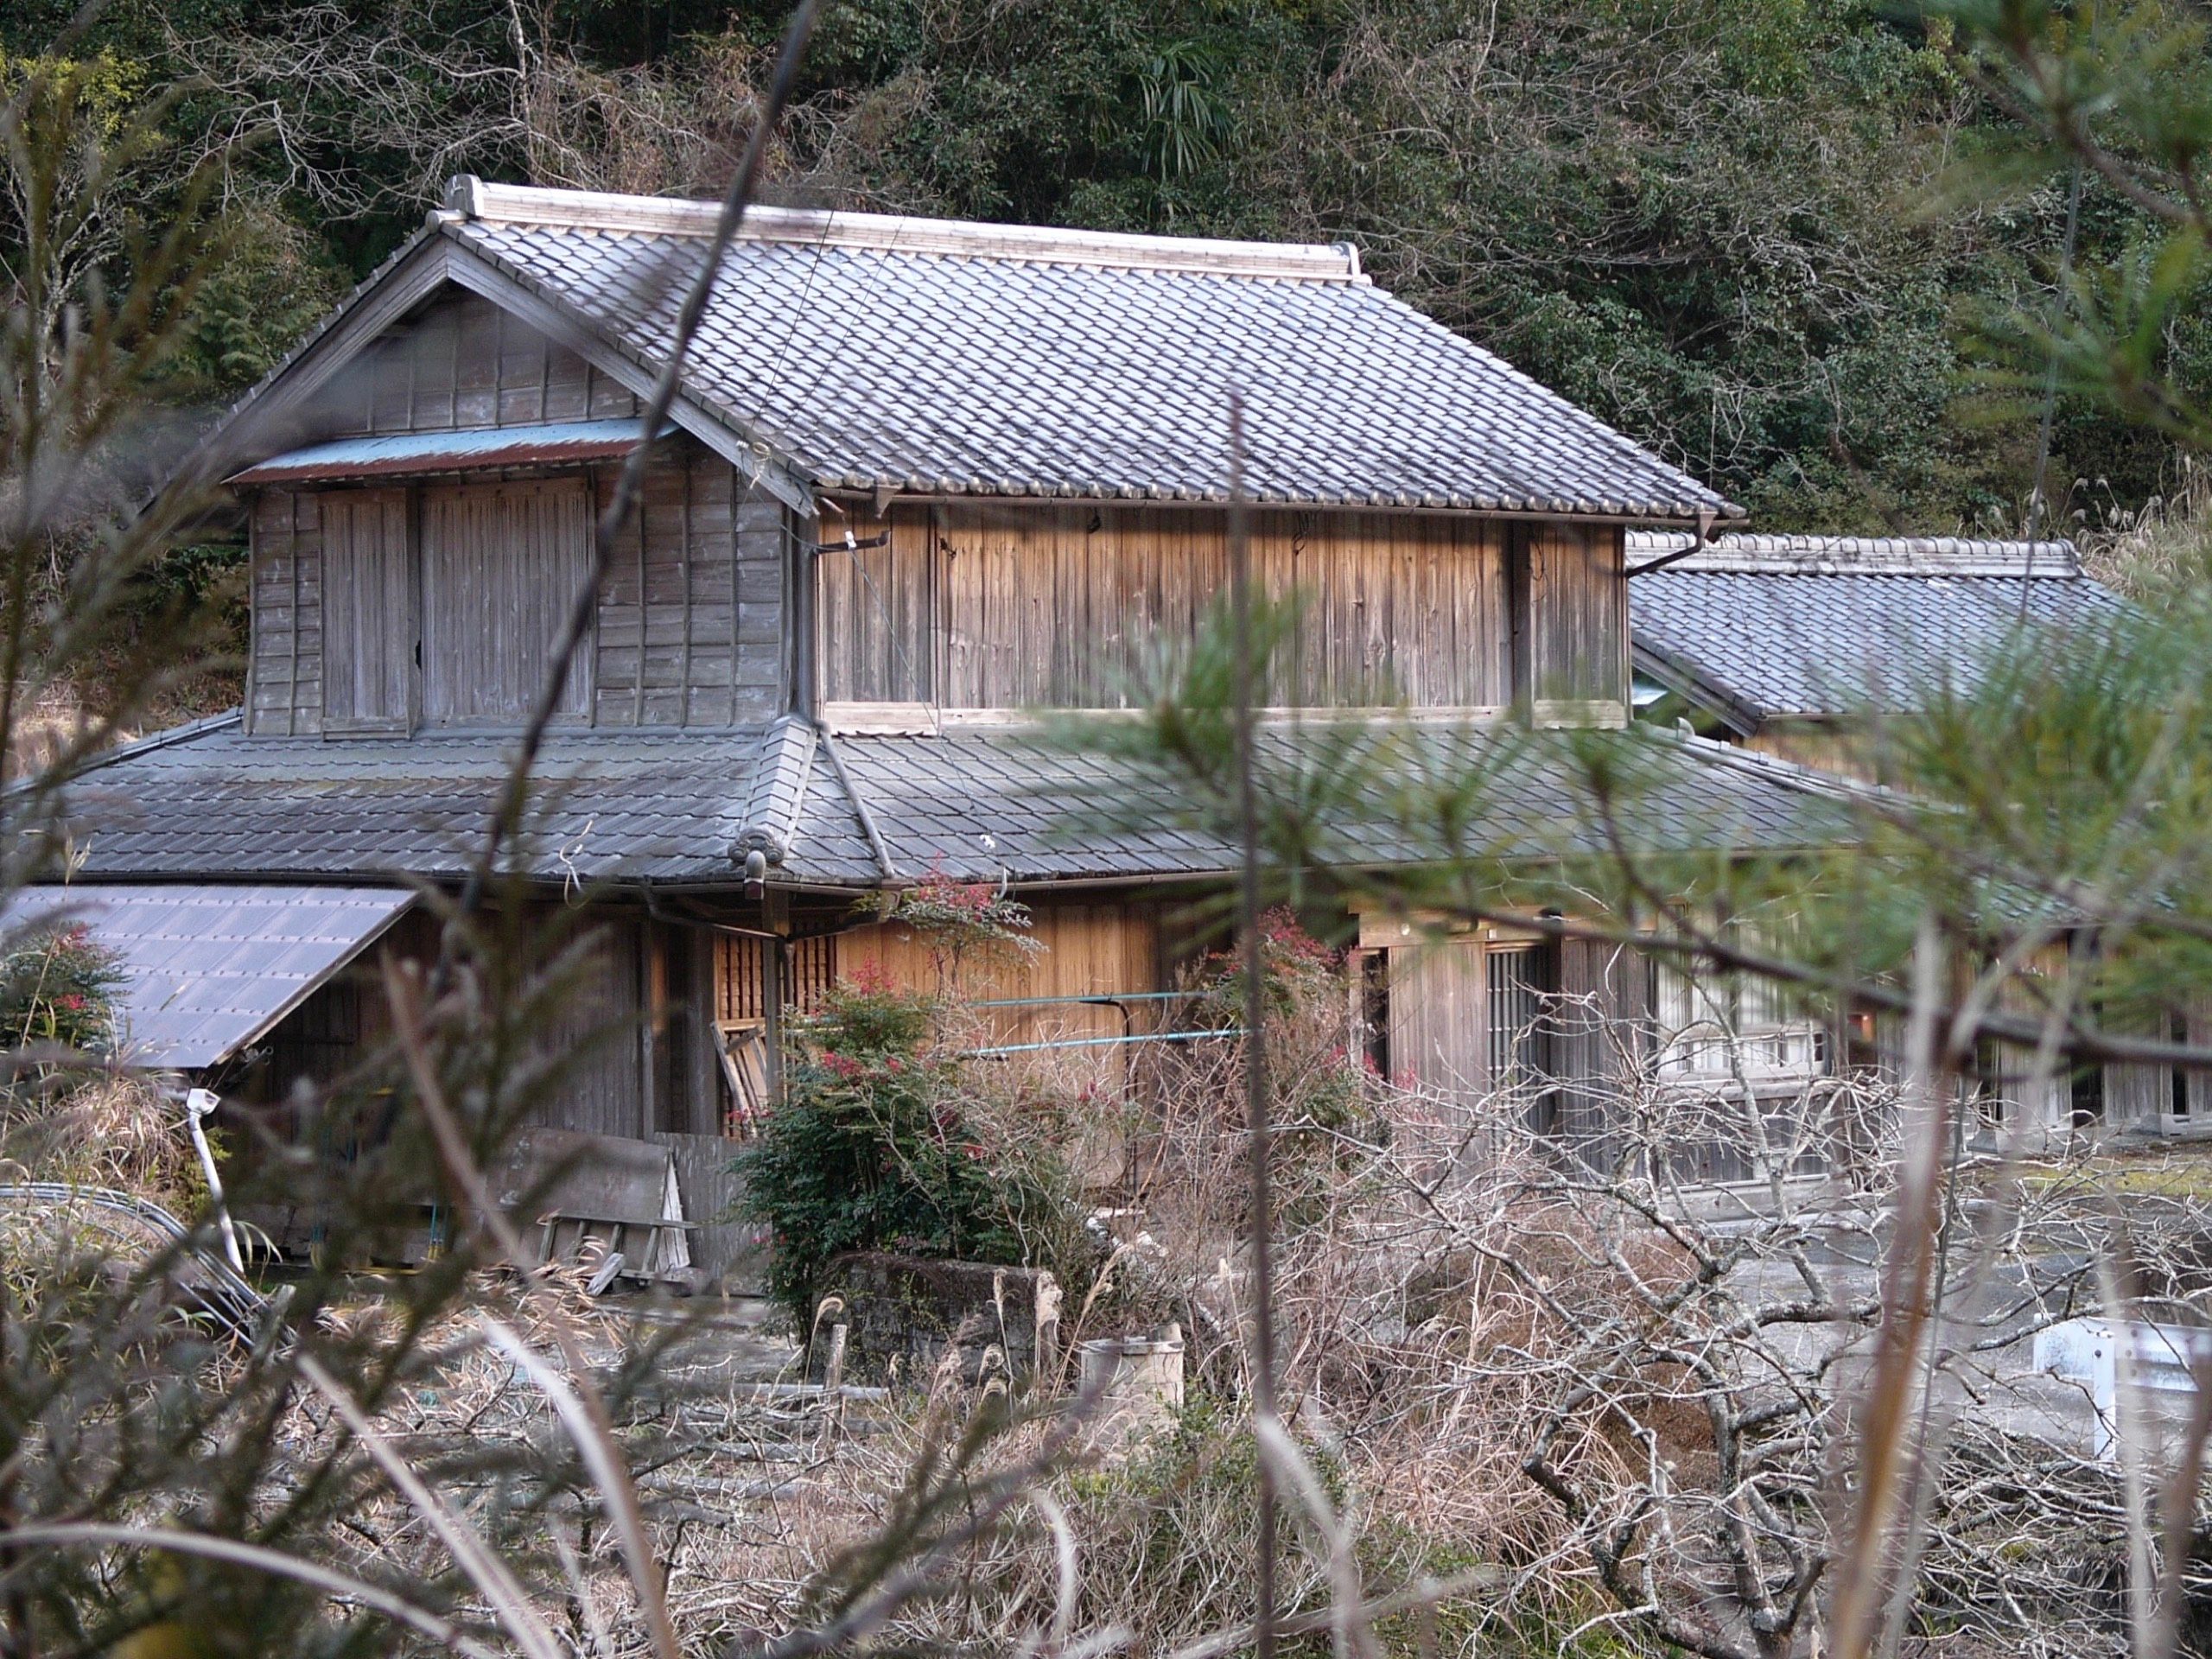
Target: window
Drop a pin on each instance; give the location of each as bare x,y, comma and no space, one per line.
1719,1026
1521,981
445,605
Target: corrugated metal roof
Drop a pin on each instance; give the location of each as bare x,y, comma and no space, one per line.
1821,636
901,362
210,968
413,454
676,807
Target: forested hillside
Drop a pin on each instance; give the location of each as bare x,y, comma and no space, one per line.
1734,227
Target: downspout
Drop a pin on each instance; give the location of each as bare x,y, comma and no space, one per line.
199,1105
1697,545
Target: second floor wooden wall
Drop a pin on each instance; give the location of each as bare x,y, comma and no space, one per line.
396,606
985,608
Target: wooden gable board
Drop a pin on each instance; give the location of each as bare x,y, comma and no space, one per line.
258,426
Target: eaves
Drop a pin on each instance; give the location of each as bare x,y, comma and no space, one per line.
1738,713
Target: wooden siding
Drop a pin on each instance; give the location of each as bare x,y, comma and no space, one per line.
1440,1018
690,629
1576,627
600,1086
1604,1036
502,566
368,612
981,607
1084,951
462,362
690,624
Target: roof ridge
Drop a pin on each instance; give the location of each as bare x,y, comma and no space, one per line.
471,198
1780,553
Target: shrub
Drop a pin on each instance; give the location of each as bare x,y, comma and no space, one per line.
881,1143
59,991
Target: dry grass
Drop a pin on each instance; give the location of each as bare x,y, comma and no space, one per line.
106,1128
2151,551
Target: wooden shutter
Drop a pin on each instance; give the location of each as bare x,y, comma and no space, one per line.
501,567
368,612
1439,1023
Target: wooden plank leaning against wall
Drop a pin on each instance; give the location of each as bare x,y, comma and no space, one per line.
980,607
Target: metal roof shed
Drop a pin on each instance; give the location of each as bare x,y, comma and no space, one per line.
212,969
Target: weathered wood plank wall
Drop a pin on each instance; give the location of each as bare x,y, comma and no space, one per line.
502,564
982,607
690,627
1439,1019
601,1086
1578,615
462,362
1095,950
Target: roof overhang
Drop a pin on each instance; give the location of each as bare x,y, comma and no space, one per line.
210,970
415,454
1699,689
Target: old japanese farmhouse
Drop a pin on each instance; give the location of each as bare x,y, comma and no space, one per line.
924,480
1792,645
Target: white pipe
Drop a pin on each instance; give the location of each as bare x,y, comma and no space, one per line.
199,1103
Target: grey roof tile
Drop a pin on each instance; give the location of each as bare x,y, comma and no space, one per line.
975,805
865,366
1761,644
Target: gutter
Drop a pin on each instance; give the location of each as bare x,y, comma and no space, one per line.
1697,545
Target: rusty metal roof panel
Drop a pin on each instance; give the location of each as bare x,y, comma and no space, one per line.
210,968
414,453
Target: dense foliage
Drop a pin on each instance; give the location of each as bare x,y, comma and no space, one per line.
882,1142
58,991
1735,228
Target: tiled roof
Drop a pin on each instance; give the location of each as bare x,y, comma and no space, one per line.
943,357
632,806
685,807
1766,627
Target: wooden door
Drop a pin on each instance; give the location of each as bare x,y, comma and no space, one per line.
368,612
502,564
